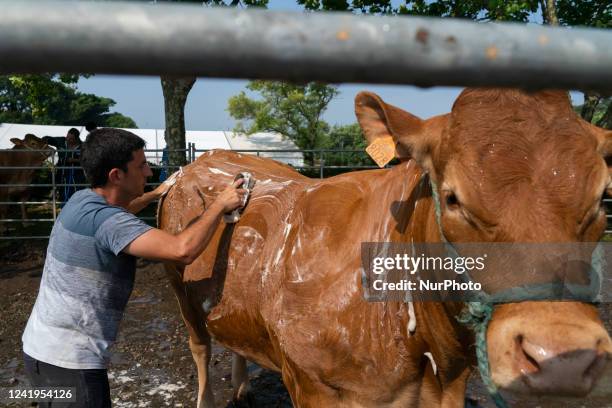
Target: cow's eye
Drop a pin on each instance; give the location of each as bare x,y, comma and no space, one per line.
451,200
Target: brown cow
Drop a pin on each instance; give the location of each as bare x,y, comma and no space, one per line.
23,154
282,287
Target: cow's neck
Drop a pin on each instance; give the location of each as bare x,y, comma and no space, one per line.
411,213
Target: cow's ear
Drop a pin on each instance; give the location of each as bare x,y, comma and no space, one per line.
17,142
32,138
379,120
604,139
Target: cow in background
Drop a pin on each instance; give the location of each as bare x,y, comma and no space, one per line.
283,286
32,152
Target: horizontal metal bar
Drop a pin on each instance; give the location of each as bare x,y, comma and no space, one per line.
55,151
44,185
178,39
26,168
27,220
32,237
284,150
25,202
50,151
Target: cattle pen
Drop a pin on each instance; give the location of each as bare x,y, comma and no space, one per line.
124,38
46,185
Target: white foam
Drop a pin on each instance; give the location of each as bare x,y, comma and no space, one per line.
412,318
217,171
433,362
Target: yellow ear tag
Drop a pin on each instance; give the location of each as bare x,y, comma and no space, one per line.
382,150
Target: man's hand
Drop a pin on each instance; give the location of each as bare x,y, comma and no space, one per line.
232,197
164,187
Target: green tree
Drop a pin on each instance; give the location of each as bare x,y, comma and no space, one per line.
54,100
117,120
360,6
351,143
492,10
293,110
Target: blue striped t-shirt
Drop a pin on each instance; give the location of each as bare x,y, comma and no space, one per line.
85,285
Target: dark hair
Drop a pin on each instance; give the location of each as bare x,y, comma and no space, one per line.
75,132
89,126
106,149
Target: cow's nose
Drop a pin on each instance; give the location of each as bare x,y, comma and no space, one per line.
560,368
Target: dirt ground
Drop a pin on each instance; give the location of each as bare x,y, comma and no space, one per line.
152,364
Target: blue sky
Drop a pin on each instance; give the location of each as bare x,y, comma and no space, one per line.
141,97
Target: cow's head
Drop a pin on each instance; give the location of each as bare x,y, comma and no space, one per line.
516,167
32,142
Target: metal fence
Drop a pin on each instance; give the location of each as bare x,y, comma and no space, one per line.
179,39
46,186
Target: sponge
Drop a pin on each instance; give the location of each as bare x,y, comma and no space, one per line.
247,184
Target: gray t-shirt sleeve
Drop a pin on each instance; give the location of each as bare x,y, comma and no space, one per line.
118,230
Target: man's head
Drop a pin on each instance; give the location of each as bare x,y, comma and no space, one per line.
72,137
115,158
89,126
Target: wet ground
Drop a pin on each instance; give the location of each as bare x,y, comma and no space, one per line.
152,364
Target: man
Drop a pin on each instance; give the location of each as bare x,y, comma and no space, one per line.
72,175
69,173
91,259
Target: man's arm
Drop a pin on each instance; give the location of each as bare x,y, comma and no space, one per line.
187,245
137,204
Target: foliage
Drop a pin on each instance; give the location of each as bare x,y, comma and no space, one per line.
347,137
52,99
591,13
118,120
361,6
293,110
232,3
491,10
588,13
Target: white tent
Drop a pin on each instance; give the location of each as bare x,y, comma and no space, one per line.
203,140
272,141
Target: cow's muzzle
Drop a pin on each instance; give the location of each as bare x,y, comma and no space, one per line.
550,348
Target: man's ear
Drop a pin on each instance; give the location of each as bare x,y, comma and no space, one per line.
408,132
114,176
17,142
